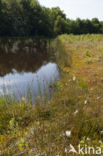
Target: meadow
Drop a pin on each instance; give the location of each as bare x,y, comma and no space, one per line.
74,115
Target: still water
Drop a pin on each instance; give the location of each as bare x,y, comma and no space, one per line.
26,72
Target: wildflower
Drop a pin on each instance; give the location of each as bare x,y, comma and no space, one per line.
100,141
66,84
66,150
63,134
88,139
101,132
23,99
68,133
74,78
85,102
98,97
76,112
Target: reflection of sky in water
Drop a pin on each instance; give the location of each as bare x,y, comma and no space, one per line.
18,84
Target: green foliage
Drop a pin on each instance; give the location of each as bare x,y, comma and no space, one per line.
29,18
13,126
83,84
22,144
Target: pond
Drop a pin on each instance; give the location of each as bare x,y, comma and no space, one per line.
26,71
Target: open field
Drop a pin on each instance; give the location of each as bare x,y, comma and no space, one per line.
76,108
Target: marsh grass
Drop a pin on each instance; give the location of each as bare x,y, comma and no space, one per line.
76,106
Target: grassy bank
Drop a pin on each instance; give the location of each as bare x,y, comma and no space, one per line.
73,116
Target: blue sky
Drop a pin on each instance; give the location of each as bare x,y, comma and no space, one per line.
78,8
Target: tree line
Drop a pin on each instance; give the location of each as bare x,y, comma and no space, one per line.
27,18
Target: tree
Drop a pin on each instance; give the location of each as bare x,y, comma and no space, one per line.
5,23
60,26
96,25
26,18
55,16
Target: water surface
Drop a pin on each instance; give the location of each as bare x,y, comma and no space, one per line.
25,70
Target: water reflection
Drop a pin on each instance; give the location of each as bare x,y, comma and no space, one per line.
25,70
22,55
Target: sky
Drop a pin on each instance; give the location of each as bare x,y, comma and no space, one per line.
77,8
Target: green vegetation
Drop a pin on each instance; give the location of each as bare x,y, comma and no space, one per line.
77,106
27,18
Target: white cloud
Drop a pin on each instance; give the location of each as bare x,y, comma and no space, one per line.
78,8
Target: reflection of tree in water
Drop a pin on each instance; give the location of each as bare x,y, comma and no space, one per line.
25,56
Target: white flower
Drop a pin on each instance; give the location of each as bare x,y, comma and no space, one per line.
101,132
100,141
76,112
85,102
74,78
66,150
68,133
66,84
63,134
23,99
88,139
